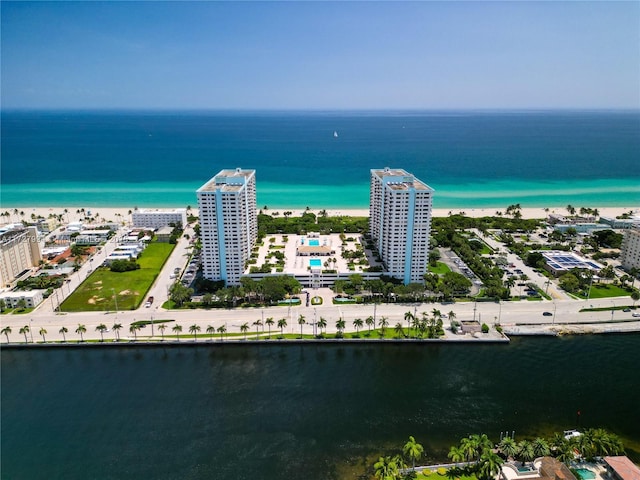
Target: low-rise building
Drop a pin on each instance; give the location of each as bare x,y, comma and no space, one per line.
154,219
620,223
621,468
32,298
92,237
559,262
163,235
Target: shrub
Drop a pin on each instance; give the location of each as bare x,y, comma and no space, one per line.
485,328
124,265
442,471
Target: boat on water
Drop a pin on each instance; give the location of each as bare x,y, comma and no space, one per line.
569,434
335,134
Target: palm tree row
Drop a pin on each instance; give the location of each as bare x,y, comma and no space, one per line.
395,467
591,443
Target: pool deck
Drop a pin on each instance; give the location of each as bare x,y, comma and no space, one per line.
299,265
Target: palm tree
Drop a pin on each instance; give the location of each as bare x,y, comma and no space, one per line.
282,323
322,324
101,328
565,453
408,316
269,321
244,328
221,330
508,447
383,323
468,448
340,325
162,328
525,451
301,322
43,332
412,449
24,330
540,447
6,331
358,323
80,331
386,468
63,330
177,329
116,328
399,329
369,321
133,328
257,324
456,455
194,329
489,465
211,330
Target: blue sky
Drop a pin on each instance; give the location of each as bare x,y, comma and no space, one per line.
320,55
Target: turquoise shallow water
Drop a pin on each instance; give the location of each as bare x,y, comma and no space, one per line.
472,159
482,194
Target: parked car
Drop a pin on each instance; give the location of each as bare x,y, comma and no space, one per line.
547,314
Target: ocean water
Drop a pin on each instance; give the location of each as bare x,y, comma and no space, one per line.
472,159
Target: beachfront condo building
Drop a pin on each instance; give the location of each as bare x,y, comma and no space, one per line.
400,222
155,219
228,224
630,249
19,253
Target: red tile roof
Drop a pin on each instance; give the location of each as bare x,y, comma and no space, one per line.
624,467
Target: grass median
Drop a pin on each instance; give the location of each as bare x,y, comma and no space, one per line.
103,288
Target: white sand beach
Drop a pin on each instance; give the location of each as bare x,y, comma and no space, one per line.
121,214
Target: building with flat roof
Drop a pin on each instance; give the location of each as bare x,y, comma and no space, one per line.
32,298
630,249
400,222
559,262
153,218
19,253
228,224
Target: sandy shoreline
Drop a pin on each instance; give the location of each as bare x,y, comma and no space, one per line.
122,213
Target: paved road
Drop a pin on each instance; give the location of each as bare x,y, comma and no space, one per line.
512,315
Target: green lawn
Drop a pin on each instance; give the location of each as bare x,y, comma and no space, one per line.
440,268
96,293
601,290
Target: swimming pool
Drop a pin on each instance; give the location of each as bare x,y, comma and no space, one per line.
585,473
315,262
313,242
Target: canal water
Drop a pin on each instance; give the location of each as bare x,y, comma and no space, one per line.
298,411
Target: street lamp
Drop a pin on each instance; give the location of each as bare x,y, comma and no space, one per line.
554,313
115,297
31,329
613,309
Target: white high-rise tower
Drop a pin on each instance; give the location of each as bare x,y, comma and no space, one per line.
400,222
228,224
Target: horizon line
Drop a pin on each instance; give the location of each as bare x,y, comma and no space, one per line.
318,110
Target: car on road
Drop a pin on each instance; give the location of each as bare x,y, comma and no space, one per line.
547,314
626,310
635,314
149,302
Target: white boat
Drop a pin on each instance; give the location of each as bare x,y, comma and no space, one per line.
569,434
335,134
